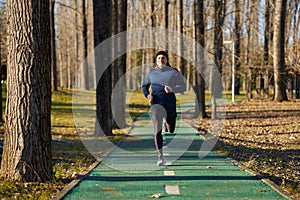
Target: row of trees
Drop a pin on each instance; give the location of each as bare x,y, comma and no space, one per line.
249,23
252,31
69,29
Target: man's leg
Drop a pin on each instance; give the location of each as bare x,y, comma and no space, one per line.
170,123
157,114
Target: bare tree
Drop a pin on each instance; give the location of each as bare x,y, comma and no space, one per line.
237,47
3,52
84,45
279,41
266,45
53,46
180,50
218,43
67,43
1,109
296,33
248,57
199,54
27,139
166,20
102,31
119,100
267,32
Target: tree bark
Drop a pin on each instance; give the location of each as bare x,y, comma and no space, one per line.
102,31
267,33
218,43
200,59
27,139
166,22
84,46
279,41
248,59
180,64
53,47
266,46
119,101
1,109
237,47
296,32
2,37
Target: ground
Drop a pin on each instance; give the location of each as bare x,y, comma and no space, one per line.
263,136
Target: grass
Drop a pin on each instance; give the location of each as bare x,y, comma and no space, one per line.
69,156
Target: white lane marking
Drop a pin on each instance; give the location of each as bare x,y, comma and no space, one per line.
172,189
169,173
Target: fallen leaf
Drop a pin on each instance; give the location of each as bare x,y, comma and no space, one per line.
156,196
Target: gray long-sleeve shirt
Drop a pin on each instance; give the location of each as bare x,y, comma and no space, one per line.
158,79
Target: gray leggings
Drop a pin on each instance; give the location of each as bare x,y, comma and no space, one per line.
158,112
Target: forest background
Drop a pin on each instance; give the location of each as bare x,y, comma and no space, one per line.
264,36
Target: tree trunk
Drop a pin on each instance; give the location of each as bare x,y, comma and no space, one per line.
237,47
84,46
199,54
119,100
279,41
218,40
2,38
151,52
218,33
90,41
266,46
267,33
69,78
248,59
53,47
1,109
122,62
166,21
296,33
27,139
102,31
180,63
75,62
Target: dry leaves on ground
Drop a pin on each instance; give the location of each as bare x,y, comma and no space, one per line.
263,136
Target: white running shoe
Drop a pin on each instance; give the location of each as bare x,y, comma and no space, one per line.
161,161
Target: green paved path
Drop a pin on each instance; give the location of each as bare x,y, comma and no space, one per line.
130,171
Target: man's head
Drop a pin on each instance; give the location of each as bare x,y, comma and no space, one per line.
161,58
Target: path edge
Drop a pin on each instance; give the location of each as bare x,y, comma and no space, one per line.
261,177
61,194
257,174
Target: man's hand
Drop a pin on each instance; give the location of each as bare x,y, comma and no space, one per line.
168,89
150,97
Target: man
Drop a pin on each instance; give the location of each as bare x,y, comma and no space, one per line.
164,81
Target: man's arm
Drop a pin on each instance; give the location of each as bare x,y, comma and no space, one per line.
146,85
179,85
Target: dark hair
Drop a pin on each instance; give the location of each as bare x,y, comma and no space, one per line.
165,53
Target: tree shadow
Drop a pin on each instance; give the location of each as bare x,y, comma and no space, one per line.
267,163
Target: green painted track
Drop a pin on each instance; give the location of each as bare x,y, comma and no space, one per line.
130,171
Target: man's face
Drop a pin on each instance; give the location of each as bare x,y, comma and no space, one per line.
161,60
